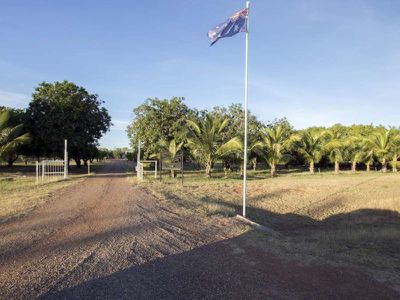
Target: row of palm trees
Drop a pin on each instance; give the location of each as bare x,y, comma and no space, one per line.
279,144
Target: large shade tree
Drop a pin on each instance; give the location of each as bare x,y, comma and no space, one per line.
63,110
158,120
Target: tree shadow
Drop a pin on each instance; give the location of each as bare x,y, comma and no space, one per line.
235,268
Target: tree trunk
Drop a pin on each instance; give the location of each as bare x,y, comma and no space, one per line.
368,167
85,162
273,170
337,167
172,173
226,172
384,166
226,168
11,161
254,164
312,167
394,164
353,166
208,170
78,162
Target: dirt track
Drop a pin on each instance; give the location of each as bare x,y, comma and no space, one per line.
106,238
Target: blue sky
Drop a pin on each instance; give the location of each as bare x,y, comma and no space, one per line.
317,62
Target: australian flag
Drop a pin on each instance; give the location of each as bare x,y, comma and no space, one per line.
235,24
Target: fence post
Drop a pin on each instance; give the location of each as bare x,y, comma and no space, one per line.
37,172
160,166
88,167
65,159
182,165
155,174
43,170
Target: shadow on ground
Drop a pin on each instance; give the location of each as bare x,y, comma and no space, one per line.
230,269
239,268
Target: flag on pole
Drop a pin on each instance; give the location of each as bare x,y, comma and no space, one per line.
235,24
239,22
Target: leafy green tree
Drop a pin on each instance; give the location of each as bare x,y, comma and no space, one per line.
206,142
235,128
274,141
309,143
119,153
11,138
63,110
158,120
380,144
89,153
103,154
130,156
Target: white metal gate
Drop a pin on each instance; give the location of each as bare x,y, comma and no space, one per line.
50,170
140,168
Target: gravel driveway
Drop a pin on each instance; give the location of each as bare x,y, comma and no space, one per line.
106,238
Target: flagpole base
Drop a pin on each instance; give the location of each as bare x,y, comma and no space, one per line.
256,225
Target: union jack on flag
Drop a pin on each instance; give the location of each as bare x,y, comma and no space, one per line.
235,24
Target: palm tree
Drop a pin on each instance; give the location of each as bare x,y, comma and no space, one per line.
309,143
172,148
206,142
379,142
394,147
274,141
10,137
357,151
335,147
235,146
368,155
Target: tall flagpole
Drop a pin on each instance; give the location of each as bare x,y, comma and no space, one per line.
245,108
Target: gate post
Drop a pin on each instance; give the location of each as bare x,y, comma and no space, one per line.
37,172
43,170
65,160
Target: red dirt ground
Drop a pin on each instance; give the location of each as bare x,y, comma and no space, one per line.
107,238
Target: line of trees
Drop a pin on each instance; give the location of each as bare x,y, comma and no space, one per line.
57,111
217,135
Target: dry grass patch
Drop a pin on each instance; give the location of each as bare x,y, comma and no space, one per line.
339,219
20,194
